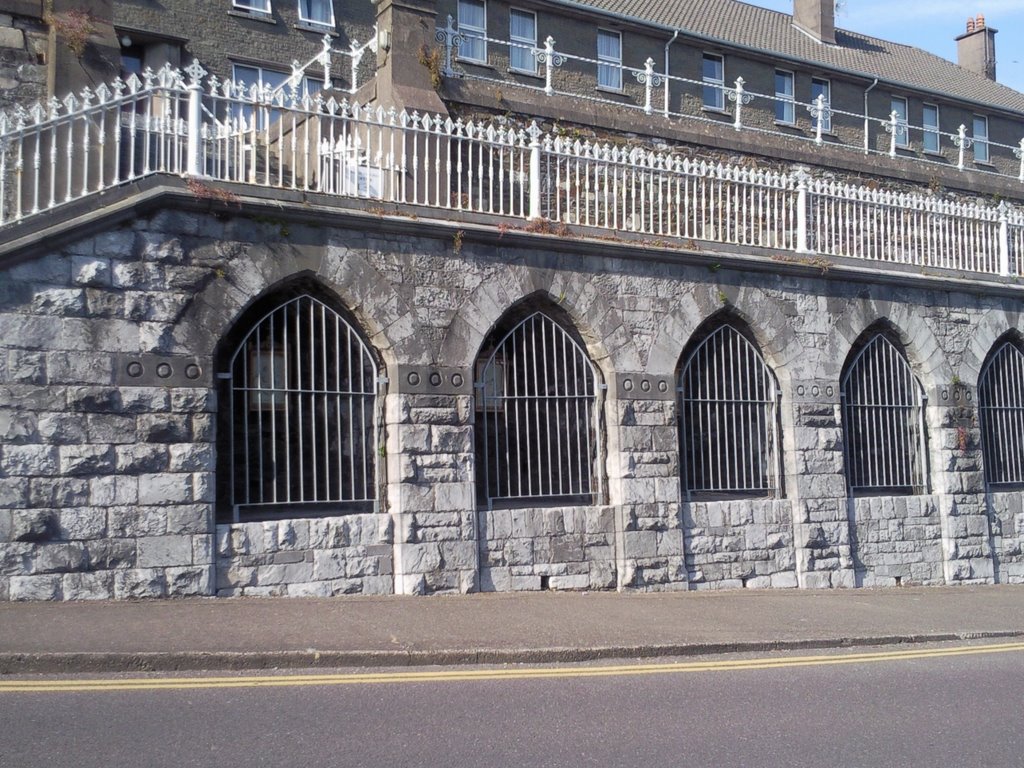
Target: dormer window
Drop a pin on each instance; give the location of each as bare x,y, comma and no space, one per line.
609,57
319,12
473,30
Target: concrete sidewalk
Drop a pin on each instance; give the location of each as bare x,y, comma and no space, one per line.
493,628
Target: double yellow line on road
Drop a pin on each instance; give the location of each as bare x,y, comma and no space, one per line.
456,674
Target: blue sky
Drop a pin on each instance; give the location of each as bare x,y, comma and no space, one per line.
933,25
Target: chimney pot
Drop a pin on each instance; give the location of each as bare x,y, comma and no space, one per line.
970,25
980,23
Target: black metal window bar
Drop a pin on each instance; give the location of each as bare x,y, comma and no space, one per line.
303,414
1001,406
536,417
883,422
728,419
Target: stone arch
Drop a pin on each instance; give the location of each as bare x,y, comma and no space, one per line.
599,324
993,326
755,311
260,268
927,358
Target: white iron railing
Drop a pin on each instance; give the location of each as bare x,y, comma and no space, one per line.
184,123
648,90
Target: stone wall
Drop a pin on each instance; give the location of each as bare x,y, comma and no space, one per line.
318,557
742,543
897,540
547,548
109,349
1007,514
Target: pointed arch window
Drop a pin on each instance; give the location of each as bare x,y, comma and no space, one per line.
728,418
883,422
1001,406
302,438
536,416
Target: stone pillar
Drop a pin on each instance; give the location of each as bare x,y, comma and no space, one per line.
430,486
817,486
404,74
960,486
643,482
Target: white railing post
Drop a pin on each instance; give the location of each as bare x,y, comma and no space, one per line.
194,163
894,129
820,111
1004,240
535,134
962,142
740,97
325,60
356,55
1019,154
550,60
801,211
449,35
649,80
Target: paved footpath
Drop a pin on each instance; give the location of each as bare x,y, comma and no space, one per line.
256,633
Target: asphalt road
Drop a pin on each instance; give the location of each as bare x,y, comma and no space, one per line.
920,710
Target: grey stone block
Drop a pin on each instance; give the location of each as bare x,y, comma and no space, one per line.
82,524
86,459
138,583
36,587
190,582
29,460
165,488
34,525
88,586
113,490
165,551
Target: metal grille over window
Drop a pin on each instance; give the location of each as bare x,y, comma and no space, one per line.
883,422
536,416
303,416
1001,404
728,418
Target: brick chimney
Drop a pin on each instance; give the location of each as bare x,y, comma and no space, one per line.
817,18
976,48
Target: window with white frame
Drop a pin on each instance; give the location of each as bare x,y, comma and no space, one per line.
822,87
883,421
523,41
259,6
536,425
785,109
898,105
319,12
299,429
473,31
270,83
713,77
609,57
1001,407
981,154
930,124
728,418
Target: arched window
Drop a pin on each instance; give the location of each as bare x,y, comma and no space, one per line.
1001,404
536,393
728,418
883,421
302,436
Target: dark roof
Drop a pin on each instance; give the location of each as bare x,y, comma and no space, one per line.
739,23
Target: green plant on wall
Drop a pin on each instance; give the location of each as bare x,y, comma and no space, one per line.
73,27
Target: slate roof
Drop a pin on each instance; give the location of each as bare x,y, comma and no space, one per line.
739,23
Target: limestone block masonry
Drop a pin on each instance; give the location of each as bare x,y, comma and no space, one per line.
109,405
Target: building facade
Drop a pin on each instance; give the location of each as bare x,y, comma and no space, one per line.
412,297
